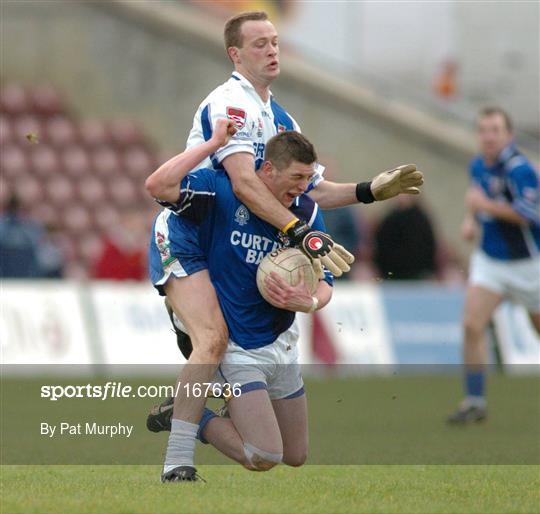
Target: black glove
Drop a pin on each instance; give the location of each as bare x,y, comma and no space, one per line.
319,246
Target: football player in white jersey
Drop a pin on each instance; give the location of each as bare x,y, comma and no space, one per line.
252,45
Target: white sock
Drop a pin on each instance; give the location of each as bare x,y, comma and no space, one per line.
181,445
475,401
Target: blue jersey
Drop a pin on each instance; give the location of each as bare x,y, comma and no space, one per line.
235,241
511,180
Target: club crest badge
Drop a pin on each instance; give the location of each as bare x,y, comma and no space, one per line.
163,247
496,186
238,116
241,216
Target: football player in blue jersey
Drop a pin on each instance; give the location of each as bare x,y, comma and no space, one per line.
504,201
268,416
251,42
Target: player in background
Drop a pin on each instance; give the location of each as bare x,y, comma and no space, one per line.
504,201
252,46
268,421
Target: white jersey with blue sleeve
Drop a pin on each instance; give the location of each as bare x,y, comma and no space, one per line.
234,242
257,121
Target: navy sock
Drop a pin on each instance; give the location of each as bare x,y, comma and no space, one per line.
474,385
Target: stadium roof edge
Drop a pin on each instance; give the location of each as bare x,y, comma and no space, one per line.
183,23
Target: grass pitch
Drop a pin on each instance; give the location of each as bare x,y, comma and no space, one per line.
310,489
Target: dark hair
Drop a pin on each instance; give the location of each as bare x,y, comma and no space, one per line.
287,147
233,28
493,110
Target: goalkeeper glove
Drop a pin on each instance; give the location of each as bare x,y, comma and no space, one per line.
320,248
404,179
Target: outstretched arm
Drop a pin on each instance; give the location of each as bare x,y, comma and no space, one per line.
404,179
163,183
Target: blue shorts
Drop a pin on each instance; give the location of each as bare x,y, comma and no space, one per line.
174,249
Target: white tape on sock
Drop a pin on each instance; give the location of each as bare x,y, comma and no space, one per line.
261,459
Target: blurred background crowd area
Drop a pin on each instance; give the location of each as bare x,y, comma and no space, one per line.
94,96
72,191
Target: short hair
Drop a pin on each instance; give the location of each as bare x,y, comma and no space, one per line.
494,110
287,147
233,28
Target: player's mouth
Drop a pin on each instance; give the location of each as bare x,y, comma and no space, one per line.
290,198
274,65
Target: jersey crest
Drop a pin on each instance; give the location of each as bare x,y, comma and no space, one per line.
238,116
241,216
165,252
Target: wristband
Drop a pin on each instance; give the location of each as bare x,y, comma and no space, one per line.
289,225
363,192
314,305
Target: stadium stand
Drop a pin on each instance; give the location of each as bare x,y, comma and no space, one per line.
74,176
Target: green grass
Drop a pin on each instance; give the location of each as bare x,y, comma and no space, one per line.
311,489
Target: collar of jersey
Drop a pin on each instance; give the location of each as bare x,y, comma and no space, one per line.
246,83
502,158
506,153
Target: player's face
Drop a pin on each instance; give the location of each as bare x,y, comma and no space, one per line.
291,182
259,55
493,135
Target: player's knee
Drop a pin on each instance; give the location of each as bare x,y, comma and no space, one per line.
535,321
472,327
295,459
260,460
210,343
260,465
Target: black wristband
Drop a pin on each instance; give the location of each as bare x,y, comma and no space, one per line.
363,192
297,232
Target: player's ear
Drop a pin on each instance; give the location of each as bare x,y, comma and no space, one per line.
267,168
234,55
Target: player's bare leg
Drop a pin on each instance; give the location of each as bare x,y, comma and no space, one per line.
480,304
535,320
222,435
251,436
292,418
194,301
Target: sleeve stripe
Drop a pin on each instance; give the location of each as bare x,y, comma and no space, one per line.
190,191
514,162
526,210
205,123
313,214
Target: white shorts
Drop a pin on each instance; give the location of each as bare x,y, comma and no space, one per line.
518,280
273,367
